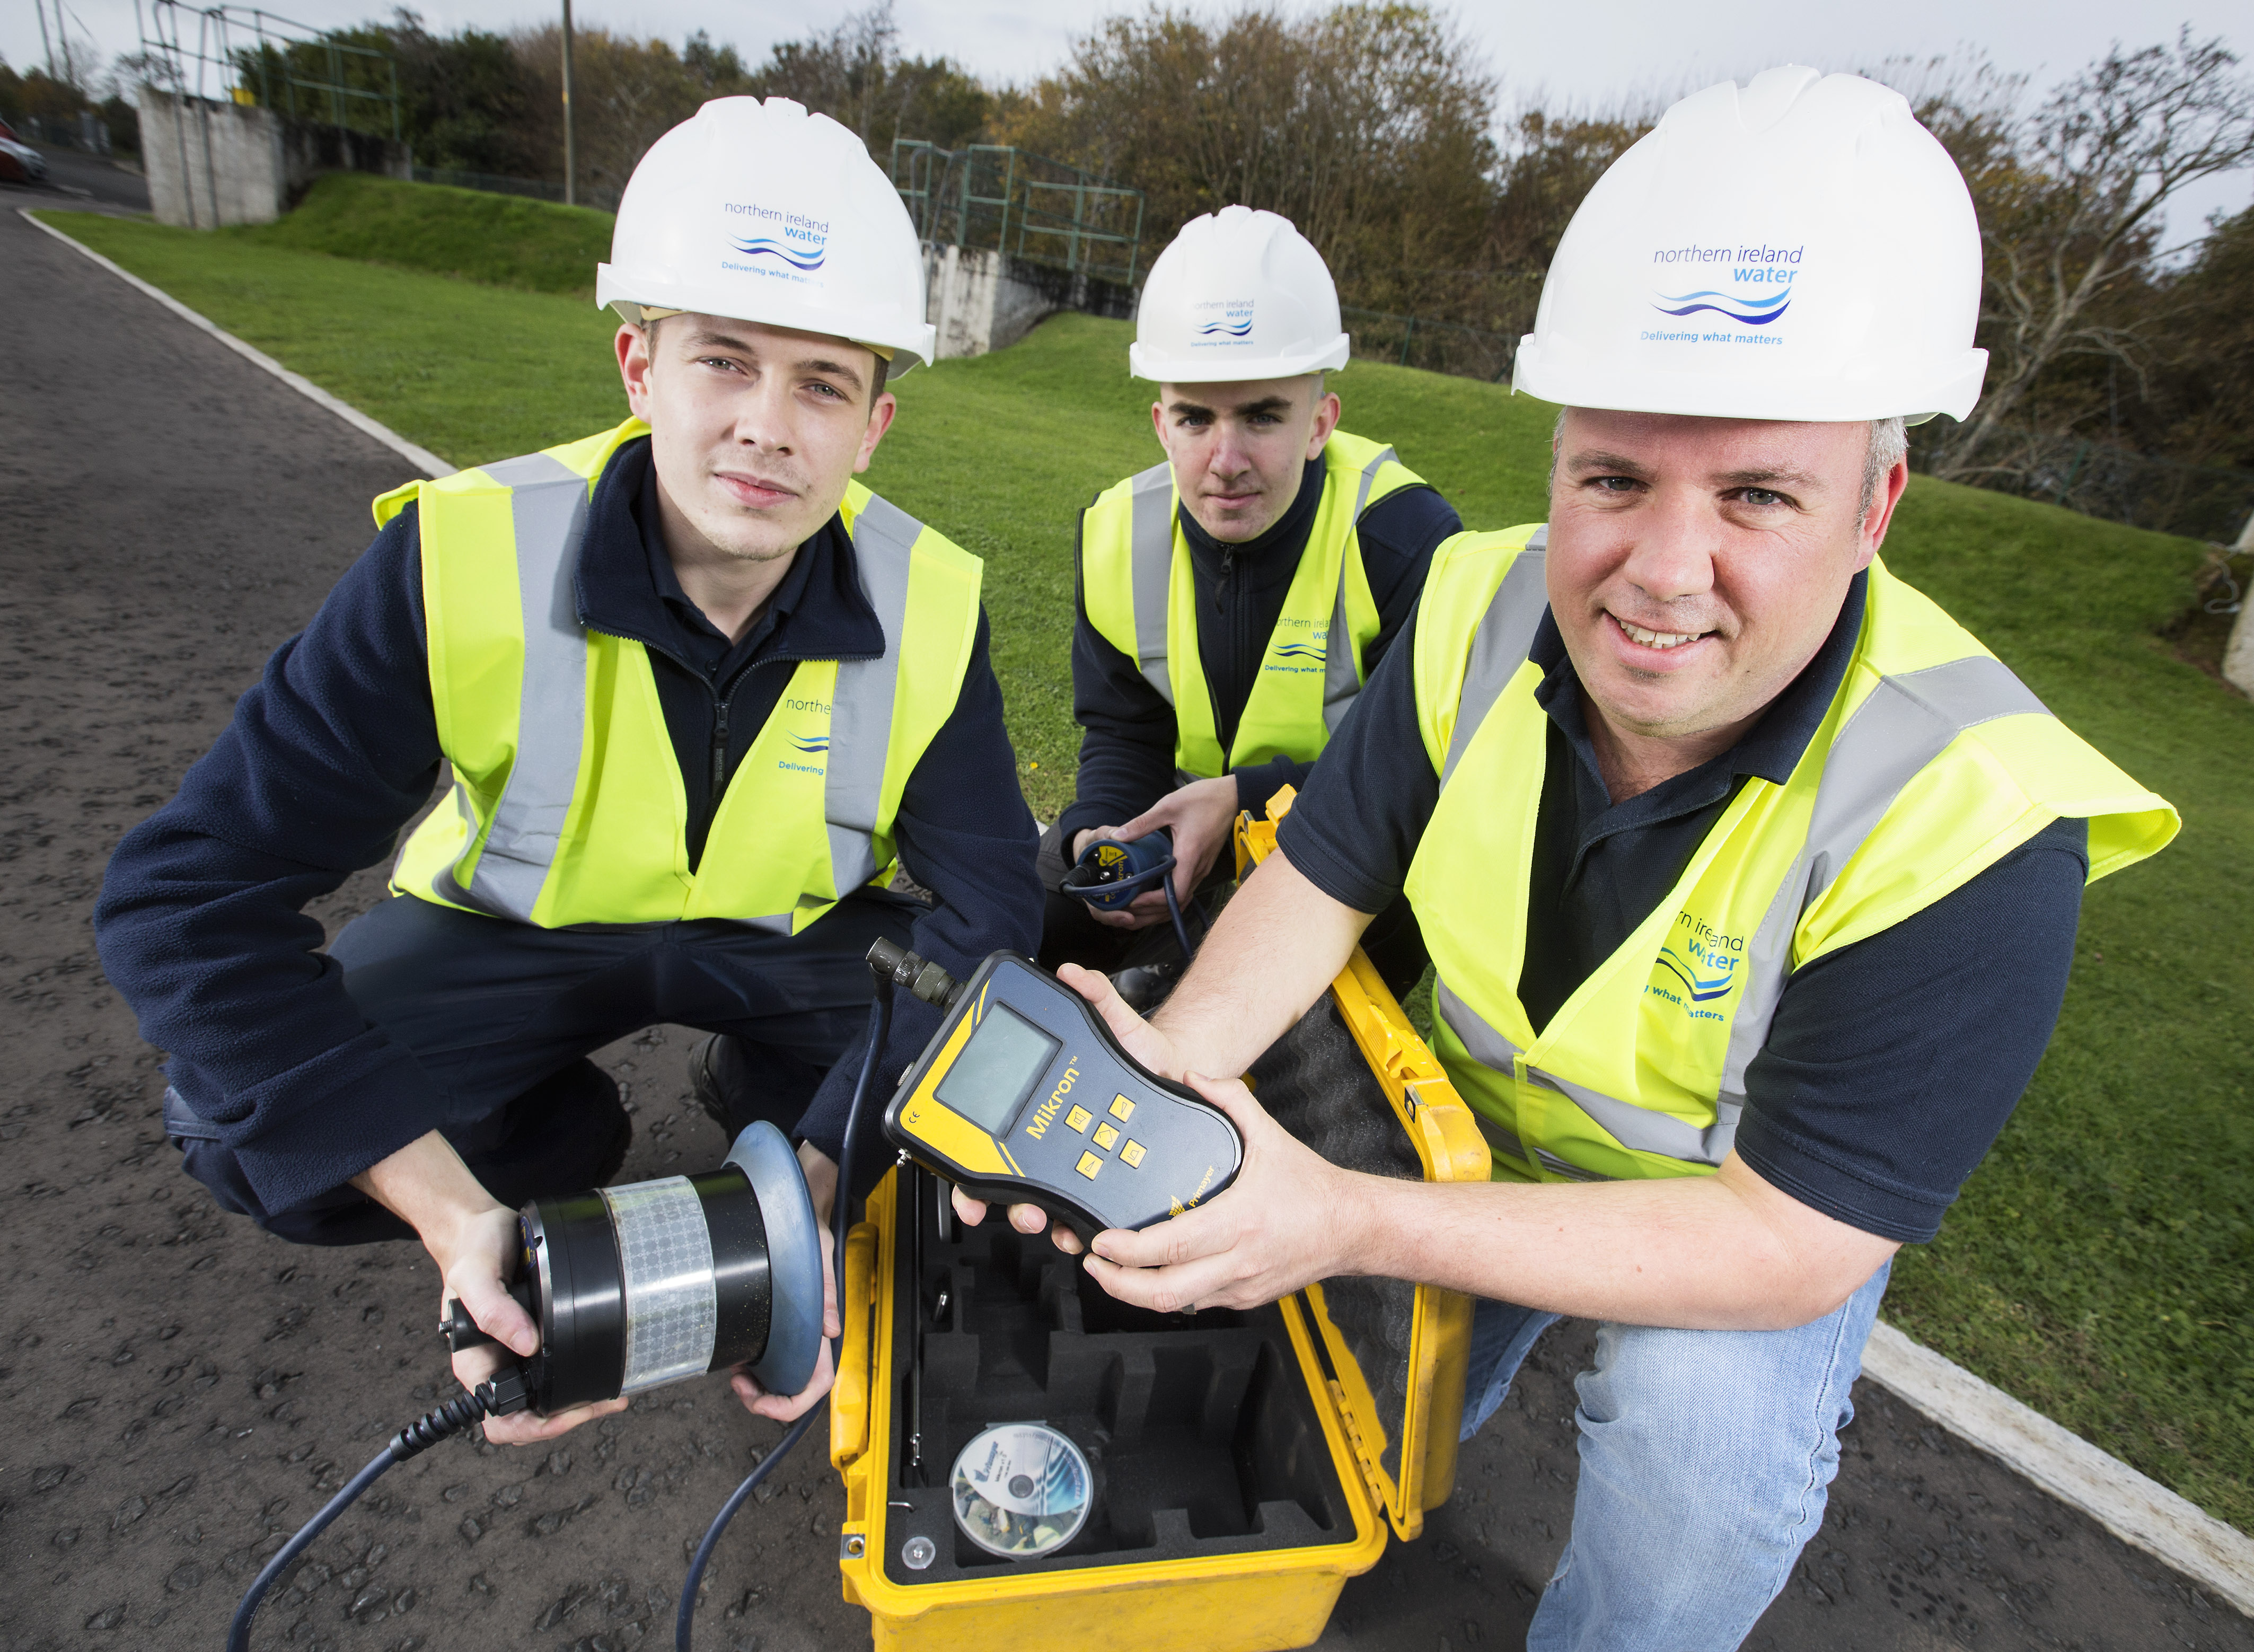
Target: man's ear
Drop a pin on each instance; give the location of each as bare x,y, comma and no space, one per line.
633,346
1326,421
1871,531
880,420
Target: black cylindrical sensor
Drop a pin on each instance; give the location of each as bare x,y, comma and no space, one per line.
645,1285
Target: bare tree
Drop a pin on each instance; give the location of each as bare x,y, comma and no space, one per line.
2073,203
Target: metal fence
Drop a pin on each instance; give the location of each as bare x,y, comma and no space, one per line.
1437,346
2097,479
256,57
86,130
537,188
994,196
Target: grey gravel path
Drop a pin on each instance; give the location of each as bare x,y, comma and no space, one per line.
182,1391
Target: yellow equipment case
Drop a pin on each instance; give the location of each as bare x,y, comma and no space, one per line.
1245,1464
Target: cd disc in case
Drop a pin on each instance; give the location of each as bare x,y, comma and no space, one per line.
1021,1490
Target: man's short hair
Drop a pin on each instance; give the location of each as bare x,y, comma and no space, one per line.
1889,441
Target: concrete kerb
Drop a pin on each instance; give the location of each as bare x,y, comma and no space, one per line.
2138,1510
421,458
2141,1512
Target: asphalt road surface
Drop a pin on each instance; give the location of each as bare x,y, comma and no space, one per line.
76,179
181,1390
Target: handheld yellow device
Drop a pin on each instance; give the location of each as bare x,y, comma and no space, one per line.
1023,1097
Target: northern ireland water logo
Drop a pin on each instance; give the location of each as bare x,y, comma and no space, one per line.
1746,289
775,242
1221,321
815,747
1749,312
1301,647
1698,964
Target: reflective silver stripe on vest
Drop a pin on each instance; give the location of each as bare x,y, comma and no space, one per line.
1499,646
1908,721
1151,561
1630,1125
861,709
1341,661
547,512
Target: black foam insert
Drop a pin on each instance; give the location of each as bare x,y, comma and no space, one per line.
1315,1083
1199,1429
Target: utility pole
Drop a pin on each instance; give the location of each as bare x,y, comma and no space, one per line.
571,138
47,45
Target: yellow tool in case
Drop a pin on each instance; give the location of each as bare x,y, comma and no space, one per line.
1244,1465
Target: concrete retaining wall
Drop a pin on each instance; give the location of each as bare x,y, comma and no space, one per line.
211,163
981,301
2238,657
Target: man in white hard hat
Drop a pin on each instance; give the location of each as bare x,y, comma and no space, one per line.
696,688
1750,879
1233,600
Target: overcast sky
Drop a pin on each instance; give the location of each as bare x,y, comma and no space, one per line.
1552,53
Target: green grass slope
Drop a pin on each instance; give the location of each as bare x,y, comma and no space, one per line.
500,239
470,371
2100,1265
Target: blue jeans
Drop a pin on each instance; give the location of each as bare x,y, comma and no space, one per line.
1706,1457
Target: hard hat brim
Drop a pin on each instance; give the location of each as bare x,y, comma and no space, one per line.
1832,400
912,344
1220,368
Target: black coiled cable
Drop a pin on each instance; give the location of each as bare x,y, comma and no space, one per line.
506,1394
497,1398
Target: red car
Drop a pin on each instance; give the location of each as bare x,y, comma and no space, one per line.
19,162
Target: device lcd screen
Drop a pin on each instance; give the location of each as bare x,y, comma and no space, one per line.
998,1069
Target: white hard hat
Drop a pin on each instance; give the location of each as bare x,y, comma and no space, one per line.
1238,295
763,212
1801,249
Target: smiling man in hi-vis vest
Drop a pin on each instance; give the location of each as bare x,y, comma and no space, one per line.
696,692
1234,598
1750,877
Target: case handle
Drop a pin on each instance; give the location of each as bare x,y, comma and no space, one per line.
848,1396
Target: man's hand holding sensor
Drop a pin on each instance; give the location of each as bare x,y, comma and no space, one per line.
1288,1218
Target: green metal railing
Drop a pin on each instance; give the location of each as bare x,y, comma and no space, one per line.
253,56
995,197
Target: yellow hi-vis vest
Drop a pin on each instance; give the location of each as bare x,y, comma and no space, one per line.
1932,764
568,804
1141,595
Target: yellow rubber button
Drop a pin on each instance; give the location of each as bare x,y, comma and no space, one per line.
1121,1109
1106,1137
1089,1163
1078,1118
1131,1154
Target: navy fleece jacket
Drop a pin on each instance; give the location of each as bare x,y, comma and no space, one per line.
330,755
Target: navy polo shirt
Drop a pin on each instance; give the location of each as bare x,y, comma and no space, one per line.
1892,1063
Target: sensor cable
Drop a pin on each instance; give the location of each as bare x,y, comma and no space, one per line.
499,1397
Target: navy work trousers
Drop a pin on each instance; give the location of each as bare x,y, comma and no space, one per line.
502,1016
